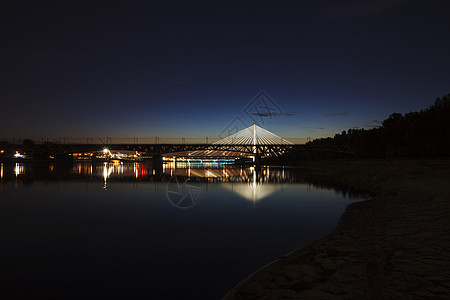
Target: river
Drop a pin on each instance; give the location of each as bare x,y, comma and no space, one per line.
125,230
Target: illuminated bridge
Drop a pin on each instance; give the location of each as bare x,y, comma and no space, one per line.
253,141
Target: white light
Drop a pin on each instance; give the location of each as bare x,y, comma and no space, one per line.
18,169
105,151
107,170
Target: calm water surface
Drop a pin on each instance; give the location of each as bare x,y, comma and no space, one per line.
124,230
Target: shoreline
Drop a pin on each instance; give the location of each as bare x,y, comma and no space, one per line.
393,246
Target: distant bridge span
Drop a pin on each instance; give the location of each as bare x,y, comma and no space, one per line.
162,149
253,140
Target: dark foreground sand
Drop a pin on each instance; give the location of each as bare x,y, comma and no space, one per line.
395,246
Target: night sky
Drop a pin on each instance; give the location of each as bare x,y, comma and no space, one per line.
190,70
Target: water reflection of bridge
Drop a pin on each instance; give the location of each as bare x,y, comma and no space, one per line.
147,172
252,183
261,174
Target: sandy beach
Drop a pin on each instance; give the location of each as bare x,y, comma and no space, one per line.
394,246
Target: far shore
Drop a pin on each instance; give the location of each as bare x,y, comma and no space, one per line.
394,246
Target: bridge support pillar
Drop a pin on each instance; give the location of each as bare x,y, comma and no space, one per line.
257,159
157,162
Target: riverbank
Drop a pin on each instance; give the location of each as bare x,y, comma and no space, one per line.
394,246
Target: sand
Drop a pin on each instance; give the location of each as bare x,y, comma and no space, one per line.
394,246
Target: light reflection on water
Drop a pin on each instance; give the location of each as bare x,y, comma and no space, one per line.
214,172
18,169
111,228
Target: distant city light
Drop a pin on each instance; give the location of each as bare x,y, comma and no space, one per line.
18,155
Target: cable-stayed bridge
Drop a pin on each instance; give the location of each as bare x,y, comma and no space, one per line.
253,141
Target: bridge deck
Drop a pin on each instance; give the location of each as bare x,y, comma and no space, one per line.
159,149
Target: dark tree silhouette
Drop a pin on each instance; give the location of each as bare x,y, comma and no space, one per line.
414,134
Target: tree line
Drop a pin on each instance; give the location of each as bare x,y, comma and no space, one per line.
412,135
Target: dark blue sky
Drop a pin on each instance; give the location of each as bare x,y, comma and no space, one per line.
189,70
